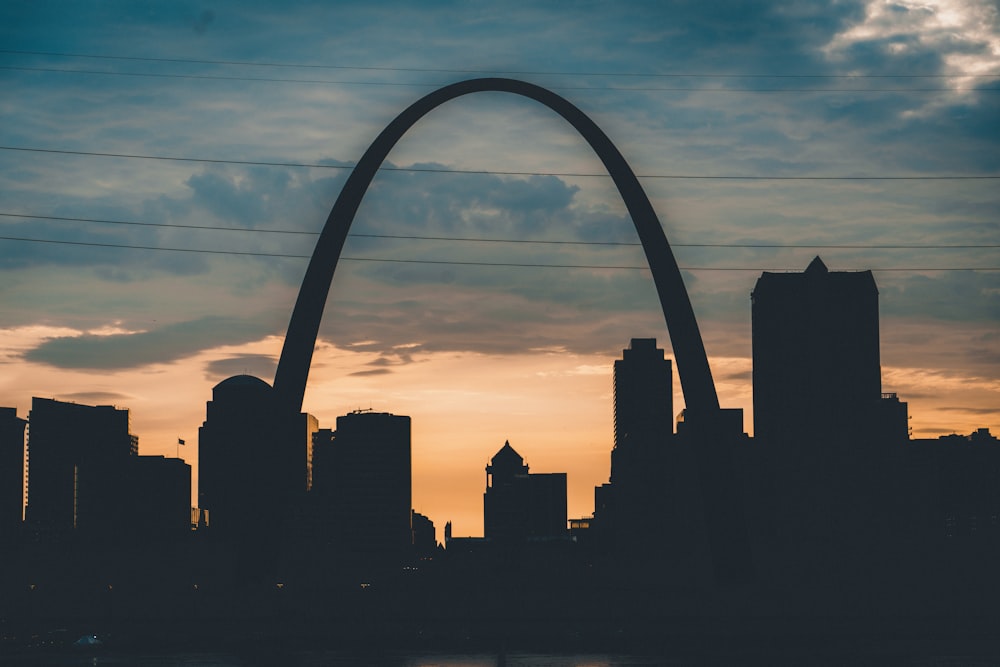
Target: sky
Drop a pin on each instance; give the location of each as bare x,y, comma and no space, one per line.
764,134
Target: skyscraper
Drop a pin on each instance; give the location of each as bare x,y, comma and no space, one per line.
816,371
828,436
626,508
254,459
365,483
643,401
77,461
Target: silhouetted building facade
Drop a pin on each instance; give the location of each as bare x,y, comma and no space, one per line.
832,444
629,511
643,402
816,369
157,498
519,505
78,457
254,460
364,483
968,468
11,473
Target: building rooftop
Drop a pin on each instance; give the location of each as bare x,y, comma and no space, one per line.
242,382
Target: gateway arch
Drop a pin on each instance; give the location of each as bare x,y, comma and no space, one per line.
711,432
685,339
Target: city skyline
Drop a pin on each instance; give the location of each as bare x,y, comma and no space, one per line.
153,331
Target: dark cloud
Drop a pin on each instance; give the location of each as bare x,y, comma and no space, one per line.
168,343
246,197
453,307
374,371
259,365
742,376
971,411
97,397
970,296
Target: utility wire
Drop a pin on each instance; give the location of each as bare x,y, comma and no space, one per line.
408,237
706,75
448,262
630,89
441,170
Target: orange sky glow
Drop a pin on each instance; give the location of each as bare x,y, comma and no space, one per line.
554,407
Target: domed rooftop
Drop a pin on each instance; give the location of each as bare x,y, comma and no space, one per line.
242,382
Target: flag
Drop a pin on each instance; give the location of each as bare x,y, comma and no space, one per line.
179,441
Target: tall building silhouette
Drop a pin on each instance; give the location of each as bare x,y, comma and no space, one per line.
628,512
254,460
11,473
816,370
85,477
830,440
518,505
78,458
643,404
365,485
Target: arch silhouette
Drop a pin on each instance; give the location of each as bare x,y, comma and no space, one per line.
300,340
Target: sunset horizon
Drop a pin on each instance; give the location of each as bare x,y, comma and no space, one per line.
165,174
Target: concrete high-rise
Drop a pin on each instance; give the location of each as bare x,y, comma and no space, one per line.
77,462
254,459
629,512
830,440
816,369
366,485
643,404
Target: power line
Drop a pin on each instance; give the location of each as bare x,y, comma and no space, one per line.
213,228
409,237
644,89
706,75
441,170
449,262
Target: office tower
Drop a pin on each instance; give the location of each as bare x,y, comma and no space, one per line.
829,438
519,505
366,482
254,459
77,461
629,511
816,372
11,473
643,404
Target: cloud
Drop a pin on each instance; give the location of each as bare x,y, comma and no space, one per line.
161,345
259,365
742,376
372,372
968,296
98,397
971,411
